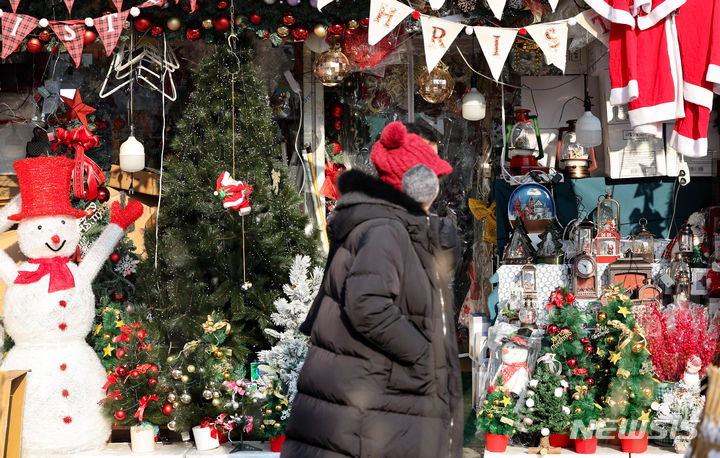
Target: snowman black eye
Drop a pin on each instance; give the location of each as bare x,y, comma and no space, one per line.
62,221
39,228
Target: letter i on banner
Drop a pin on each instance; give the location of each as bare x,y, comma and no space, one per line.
552,40
71,34
384,16
110,27
438,35
496,43
15,27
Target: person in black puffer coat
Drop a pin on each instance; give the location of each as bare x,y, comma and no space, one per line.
381,377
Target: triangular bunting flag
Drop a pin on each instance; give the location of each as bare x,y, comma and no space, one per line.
552,40
110,27
14,4
436,4
71,34
149,3
69,4
118,4
15,27
322,3
384,16
597,25
438,35
497,7
496,43
553,4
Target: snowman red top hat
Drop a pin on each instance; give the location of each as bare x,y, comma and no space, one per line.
45,187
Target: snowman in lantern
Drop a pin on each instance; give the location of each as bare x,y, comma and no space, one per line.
513,372
49,309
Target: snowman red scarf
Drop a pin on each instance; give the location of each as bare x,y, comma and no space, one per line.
61,277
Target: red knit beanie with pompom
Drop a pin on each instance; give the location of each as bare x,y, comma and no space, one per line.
397,151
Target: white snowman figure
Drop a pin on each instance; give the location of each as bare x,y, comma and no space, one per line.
513,371
691,376
49,309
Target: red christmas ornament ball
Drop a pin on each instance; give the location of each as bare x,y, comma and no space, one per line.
142,24
34,45
152,382
222,23
590,381
585,340
120,371
114,257
89,37
553,329
167,409
44,35
365,22
193,33
300,33
222,5
589,349
336,147
337,124
337,110
336,29
119,296
103,193
156,31
572,362
134,373
55,49
120,352
565,330
120,414
154,368
288,19
255,18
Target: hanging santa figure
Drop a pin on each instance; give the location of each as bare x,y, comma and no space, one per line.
49,308
235,194
513,372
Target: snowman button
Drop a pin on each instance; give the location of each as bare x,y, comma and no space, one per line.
63,304
65,393
62,326
67,420
63,366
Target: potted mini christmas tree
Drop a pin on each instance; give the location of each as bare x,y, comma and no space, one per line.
497,418
276,413
546,402
586,414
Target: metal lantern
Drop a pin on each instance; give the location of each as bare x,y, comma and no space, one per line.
682,286
678,267
331,67
686,240
575,160
523,142
585,237
643,242
437,85
608,214
529,277
527,314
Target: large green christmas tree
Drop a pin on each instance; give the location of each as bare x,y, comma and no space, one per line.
200,253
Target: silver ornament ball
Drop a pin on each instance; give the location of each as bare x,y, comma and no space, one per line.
185,398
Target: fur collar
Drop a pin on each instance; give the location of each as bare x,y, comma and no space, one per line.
360,182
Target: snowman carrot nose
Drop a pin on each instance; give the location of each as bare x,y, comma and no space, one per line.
505,350
55,238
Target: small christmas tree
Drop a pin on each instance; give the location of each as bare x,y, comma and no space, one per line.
585,413
631,386
550,247
498,414
546,406
276,411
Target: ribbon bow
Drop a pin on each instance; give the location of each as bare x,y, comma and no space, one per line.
236,387
329,187
126,333
614,292
61,277
111,380
207,423
81,139
552,362
143,405
582,390
210,326
227,425
556,300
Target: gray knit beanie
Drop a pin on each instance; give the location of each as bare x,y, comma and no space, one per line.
420,183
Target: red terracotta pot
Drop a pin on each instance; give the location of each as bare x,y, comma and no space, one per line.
559,440
496,442
276,443
586,446
635,442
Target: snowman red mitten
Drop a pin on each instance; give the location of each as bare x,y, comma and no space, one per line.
124,217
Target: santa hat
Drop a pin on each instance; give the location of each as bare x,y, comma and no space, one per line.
45,187
397,151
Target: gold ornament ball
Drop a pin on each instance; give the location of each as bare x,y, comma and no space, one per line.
109,371
436,86
331,67
216,394
320,31
638,347
175,404
227,375
176,374
228,352
171,397
578,410
107,335
207,394
610,340
191,368
601,316
647,391
622,420
268,412
219,354
173,24
283,31
576,396
185,398
185,378
632,395
207,24
277,426
262,427
216,402
353,24
170,359
625,402
279,408
496,402
490,415
486,402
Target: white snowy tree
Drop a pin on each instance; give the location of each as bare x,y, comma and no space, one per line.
285,359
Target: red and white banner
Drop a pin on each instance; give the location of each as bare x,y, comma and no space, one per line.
71,34
110,27
14,4
384,16
118,4
15,27
552,40
496,43
69,5
438,35
553,4
497,7
436,4
598,26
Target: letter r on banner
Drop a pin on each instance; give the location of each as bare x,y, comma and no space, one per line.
437,35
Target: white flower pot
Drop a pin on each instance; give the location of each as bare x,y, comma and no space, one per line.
142,439
203,439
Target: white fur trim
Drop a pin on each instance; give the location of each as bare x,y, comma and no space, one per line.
688,146
623,95
653,129
713,74
244,211
658,13
675,65
698,95
640,6
610,13
649,115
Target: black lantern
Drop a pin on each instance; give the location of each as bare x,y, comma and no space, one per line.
685,240
584,237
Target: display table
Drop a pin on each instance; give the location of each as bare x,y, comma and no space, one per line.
655,451
179,450
603,451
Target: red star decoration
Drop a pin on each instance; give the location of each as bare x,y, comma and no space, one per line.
77,108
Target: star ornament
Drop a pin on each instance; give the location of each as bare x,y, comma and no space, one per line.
107,351
119,323
615,357
98,328
644,417
77,108
506,401
624,311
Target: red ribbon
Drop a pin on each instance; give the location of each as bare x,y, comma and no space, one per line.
207,424
580,371
143,368
556,299
81,139
143,405
115,395
569,298
61,277
111,380
329,187
127,332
